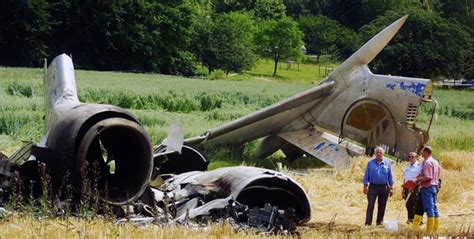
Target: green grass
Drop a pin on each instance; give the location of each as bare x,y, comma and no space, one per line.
263,71
157,100
453,127
200,104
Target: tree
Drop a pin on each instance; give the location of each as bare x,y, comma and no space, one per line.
461,10
260,9
226,43
279,40
25,27
356,13
427,46
323,35
264,9
232,40
105,35
202,47
298,8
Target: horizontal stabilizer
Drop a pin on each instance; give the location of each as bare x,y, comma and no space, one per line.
324,146
266,120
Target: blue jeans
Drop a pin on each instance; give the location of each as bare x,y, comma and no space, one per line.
429,197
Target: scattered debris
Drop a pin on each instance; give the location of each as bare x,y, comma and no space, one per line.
245,197
97,159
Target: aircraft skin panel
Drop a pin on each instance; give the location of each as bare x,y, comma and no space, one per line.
393,94
324,146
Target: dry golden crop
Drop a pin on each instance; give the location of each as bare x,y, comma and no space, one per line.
338,210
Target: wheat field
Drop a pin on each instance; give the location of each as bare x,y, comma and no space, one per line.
338,210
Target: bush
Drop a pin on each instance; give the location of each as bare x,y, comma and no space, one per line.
216,75
170,101
20,89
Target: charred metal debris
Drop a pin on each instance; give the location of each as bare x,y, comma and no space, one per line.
98,160
246,198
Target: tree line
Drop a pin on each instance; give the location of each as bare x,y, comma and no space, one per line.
174,36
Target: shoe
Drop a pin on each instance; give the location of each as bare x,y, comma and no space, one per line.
409,221
416,222
430,225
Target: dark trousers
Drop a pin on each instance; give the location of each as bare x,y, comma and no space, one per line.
414,204
410,203
419,209
379,193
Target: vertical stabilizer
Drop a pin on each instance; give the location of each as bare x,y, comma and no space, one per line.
368,51
60,88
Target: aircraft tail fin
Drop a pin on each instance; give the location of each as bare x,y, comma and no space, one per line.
60,88
369,50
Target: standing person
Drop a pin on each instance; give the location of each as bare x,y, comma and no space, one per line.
410,173
378,185
429,183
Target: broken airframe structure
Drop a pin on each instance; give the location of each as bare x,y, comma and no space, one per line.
105,150
350,108
107,146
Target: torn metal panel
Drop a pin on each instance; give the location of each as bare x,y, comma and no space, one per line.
5,165
22,154
174,141
191,210
172,162
324,146
245,197
5,179
251,186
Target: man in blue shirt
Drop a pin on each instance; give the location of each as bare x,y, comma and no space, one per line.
378,185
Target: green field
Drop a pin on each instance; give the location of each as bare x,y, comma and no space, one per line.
198,104
309,72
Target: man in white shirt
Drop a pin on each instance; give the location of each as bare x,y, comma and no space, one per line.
411,171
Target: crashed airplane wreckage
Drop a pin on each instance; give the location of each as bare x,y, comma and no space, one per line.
105,147
350,108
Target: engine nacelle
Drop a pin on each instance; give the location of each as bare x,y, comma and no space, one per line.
103,147
97,147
